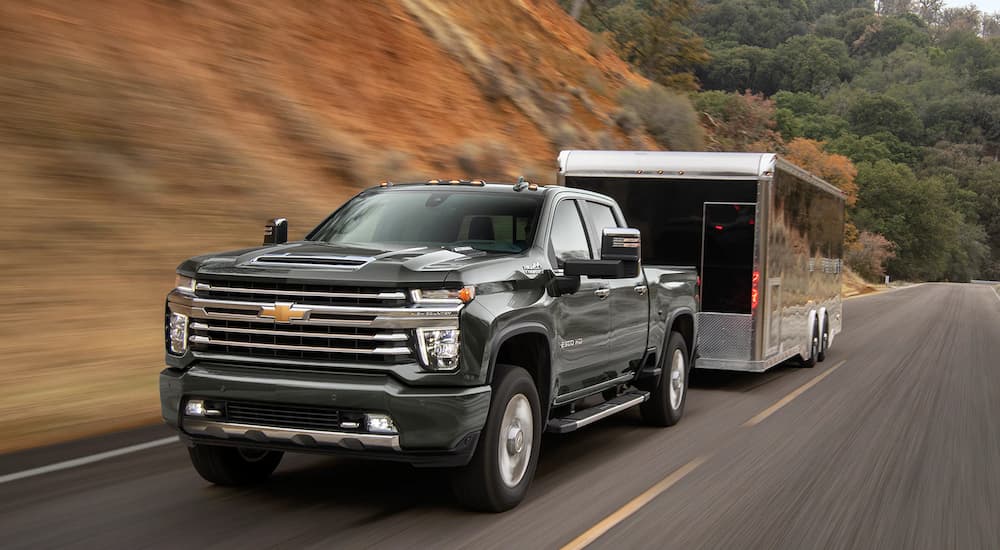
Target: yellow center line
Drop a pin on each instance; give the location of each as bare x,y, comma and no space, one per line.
633,506
788,398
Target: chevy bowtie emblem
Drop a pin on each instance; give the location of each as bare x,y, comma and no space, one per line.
284,312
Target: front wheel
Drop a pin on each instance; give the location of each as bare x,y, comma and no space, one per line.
233,466
665,405
498,476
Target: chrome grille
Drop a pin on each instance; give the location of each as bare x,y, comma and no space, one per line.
308,294
307,342
305,326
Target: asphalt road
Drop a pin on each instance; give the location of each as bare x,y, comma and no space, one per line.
893,442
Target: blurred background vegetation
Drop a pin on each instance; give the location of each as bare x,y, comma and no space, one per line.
897,102
134,134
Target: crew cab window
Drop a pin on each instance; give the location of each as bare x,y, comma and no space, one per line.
569,240
599,216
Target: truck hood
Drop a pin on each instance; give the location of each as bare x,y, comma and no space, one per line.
321,262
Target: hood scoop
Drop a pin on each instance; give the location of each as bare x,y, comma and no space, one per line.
306,260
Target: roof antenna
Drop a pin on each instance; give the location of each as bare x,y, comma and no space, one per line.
521,184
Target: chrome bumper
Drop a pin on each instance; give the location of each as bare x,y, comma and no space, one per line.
294,436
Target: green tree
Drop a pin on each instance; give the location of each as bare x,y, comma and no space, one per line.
917,214
812,64
886,34
653,36
739,68
878,112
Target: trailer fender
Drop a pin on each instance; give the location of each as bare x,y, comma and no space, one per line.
814,324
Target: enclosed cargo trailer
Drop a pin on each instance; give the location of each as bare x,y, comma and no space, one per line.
765,236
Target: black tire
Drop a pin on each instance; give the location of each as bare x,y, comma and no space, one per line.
810,362
480,485
658,409
824,341
232,466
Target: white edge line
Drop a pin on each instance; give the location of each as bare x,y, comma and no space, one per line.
997,292
82,461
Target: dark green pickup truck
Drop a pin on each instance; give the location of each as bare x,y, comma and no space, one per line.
439,324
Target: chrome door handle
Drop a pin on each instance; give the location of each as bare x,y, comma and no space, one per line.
602,293
640,290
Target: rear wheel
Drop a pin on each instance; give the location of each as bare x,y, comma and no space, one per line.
233,466
824,342
665,405
810,361
498,476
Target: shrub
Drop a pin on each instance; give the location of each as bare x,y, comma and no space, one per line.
483,159
869,254
667,115
627,119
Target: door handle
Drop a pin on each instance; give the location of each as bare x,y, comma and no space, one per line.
602,293
640,290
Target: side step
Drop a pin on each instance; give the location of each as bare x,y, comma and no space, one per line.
582,418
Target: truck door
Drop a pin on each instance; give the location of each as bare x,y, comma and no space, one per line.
629,299
582,320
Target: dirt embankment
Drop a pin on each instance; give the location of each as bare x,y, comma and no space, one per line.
137,133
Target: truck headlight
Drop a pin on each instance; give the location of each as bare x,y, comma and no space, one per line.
177,332
184,283
462,295
439,348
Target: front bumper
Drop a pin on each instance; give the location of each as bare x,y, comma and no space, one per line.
436,426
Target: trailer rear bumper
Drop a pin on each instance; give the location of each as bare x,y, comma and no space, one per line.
742,365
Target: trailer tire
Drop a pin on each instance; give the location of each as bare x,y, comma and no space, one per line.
665,405
810,362
233,466
498,476
824,341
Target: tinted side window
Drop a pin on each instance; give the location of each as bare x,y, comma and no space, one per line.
569,241
598,216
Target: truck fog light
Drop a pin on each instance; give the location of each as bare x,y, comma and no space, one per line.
380,424
178,333
194,407
200,407
439,348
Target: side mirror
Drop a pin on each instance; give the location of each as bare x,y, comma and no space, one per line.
621,250
563,284
623,244
276,231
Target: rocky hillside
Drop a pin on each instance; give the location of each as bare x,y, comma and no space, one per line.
136,133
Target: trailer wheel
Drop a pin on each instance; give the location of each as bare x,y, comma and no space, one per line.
504,463
810,362
824,342
233,466
665,405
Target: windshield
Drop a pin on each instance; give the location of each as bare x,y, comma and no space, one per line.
486,221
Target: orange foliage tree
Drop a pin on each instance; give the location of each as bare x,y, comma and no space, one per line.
834,168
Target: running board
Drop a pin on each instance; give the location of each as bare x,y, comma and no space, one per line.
582,418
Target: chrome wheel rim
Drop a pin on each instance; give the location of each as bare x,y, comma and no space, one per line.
516,436
252,455
676,379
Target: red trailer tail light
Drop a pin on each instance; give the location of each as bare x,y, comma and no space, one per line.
754,293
